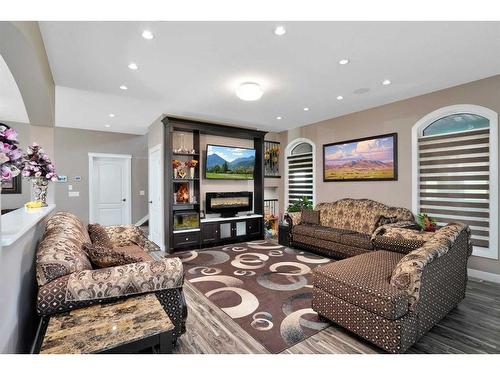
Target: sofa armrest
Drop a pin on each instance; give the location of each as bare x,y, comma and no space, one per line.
293,218
121,281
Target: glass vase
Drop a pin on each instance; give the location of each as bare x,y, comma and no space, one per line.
39,191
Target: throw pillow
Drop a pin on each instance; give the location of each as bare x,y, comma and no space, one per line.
99,236
310,217
103,257
384,220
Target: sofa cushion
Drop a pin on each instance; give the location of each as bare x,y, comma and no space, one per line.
357,240
125,235
135,252
103,257
304,229
330,234
310,217
402,240
364,281
99,236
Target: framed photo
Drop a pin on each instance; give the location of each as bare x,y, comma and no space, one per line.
364,159
12,186
272,153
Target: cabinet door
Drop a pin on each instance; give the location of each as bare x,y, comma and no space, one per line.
254,226
209,232
240,228
226,231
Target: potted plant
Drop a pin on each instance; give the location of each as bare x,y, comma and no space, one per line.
191,164
10,154
297,206
426,223
39,168
176,164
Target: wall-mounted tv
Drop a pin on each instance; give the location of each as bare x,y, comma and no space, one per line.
229,163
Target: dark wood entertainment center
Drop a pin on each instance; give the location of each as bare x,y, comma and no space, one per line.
214,230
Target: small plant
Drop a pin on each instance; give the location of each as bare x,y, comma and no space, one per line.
191,163
426,223
176,164
37,164
297,206
10,154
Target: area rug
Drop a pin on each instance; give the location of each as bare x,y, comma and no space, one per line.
264,287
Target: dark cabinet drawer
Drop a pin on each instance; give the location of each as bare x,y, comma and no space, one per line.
187,239
254,226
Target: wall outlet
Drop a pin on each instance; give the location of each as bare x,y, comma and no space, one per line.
74,194
141,192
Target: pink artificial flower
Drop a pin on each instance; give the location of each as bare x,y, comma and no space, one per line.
6,173
10,134
26,173
16,154
3,158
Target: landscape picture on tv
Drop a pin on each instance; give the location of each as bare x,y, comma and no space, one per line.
229,163
365,159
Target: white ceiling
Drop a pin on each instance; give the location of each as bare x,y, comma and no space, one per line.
11,102
192,68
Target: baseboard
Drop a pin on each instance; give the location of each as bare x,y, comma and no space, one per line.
487,276
143,220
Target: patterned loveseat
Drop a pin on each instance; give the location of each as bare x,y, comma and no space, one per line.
395,291
67,280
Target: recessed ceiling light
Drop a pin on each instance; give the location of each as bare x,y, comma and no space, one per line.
133,66
146,34
107,126
343,61
123,87
306,109
340,97
280,30
111,115
249,91
386,82
279,118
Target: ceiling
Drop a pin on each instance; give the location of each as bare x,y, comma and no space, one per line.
192,69
11,102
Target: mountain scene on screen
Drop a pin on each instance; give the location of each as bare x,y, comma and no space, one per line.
230,163
363,160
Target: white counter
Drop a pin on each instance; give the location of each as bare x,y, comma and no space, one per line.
18,222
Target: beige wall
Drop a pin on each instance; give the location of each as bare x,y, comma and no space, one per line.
395,117
71,159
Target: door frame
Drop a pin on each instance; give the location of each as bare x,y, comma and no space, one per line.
128,178
158,147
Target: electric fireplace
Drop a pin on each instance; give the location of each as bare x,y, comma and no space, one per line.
229,204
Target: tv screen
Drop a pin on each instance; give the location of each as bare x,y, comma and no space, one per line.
229,163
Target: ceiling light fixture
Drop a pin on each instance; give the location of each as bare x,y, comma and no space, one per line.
133,66
111,115
343,61
280,30
306,109
279,118
107,126
146,34
340,97
249,91
386,82
123,87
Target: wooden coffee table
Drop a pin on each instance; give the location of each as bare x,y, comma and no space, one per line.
126,326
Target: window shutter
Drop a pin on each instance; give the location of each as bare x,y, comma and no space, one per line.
300,176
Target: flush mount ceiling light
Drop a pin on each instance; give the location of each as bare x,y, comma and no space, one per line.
146,34
340,97
111,115
280,30
123,87
386,82
279,118
344,61
133,66
306,109
249,91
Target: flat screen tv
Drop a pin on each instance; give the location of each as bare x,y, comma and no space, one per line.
229,163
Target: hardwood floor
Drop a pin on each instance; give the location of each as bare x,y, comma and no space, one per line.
473,327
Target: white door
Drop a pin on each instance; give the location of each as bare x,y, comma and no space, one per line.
110,190
155,197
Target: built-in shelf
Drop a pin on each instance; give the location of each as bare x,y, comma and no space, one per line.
186,230
185,179
184,154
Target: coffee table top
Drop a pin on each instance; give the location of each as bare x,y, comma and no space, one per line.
103,327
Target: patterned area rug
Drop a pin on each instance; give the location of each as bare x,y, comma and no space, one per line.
264,287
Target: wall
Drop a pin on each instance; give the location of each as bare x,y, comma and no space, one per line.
71,159
395,117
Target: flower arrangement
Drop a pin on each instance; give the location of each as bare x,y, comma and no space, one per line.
37,164
191,163
176,164
426,223
10,153
272,154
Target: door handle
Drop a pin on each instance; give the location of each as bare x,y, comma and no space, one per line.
150,202
124,199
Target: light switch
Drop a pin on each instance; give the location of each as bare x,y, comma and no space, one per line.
142,192
74,193
70,187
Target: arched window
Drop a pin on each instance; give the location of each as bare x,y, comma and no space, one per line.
455,171
300,176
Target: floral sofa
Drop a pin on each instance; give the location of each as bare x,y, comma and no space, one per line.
67,280
394,290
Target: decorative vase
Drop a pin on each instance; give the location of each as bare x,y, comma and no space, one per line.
40,187
175,173
191,172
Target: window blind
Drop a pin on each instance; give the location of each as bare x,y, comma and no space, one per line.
454,180
300,176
